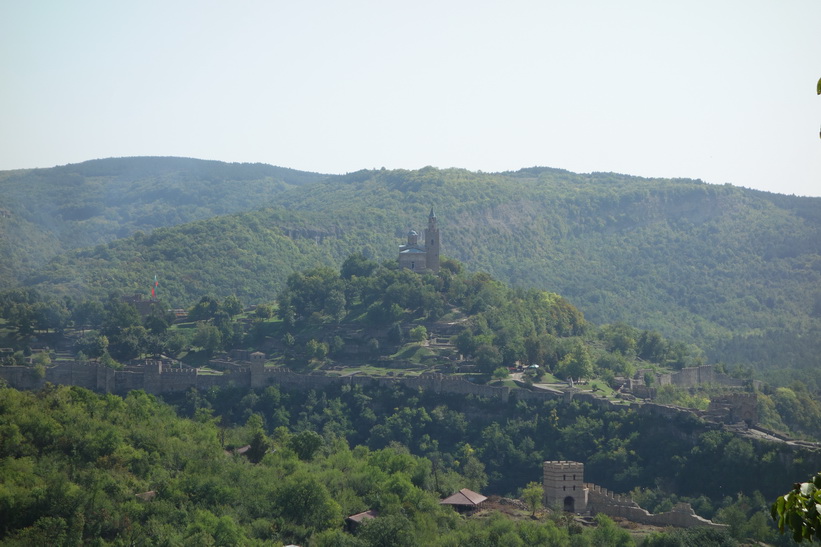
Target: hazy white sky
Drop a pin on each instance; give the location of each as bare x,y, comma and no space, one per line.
721,90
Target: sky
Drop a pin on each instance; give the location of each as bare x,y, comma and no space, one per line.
720,90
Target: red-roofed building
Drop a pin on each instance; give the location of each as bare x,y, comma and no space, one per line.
355,520
464,500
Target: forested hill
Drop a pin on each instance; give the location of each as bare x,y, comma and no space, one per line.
734,270
45,212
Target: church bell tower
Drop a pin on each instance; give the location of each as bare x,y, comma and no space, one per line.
432,244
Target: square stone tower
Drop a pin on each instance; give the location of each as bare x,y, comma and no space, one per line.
564,486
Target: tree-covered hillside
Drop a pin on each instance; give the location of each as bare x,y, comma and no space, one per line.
79,467
385,320
59,445
733,270
44,212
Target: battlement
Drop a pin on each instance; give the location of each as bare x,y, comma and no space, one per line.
277,370
564,466
597,490
180,371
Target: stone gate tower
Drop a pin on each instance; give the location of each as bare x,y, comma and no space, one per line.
564,486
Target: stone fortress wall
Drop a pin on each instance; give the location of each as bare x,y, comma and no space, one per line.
159,377
600,500
686,377
565,489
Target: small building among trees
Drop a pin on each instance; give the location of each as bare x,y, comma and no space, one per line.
464,500
353,521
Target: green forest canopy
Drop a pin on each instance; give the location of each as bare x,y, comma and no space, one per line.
81,466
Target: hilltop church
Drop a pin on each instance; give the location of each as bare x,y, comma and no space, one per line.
422,257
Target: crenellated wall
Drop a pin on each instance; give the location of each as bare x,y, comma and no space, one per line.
601,500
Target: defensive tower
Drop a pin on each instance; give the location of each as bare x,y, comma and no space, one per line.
564,486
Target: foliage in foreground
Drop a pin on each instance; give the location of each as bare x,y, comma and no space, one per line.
799,510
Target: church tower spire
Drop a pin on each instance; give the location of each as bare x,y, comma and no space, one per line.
432,244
